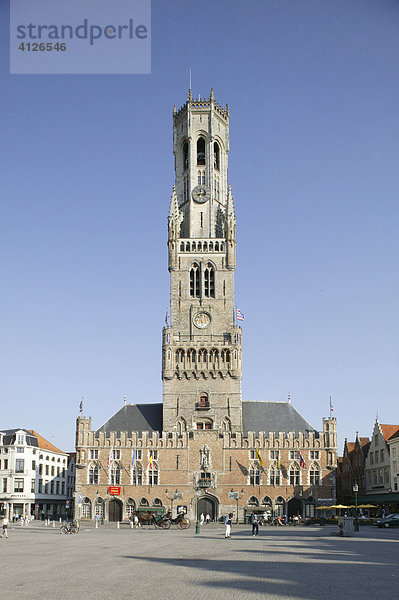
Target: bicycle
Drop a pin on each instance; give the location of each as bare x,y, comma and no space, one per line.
65,529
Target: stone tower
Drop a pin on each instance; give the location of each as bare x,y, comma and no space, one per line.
201,346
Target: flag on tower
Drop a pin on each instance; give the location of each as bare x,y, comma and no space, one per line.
81,406
166,318
331,408
302,462
240,315
259,458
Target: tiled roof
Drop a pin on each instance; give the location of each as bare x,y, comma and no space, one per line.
395,435
135,417
350,446
273,416
389,430
257,416
364,441
44,444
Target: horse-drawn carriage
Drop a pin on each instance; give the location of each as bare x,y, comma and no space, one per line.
161,521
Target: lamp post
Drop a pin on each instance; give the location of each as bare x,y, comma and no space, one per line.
197,525
355,490
235,496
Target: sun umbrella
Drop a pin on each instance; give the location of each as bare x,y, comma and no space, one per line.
367,506
323,507
339,506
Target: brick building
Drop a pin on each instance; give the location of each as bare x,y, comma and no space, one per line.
203,447
352,469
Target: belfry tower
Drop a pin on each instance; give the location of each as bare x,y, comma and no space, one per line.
201,346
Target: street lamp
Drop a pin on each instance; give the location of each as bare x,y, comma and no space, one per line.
355,490
235,495
197,525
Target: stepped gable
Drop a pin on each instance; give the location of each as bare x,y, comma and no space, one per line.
134,417
273,416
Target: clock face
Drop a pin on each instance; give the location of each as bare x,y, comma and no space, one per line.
200,194
202,320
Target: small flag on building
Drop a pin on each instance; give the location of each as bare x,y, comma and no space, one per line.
81,406
240,315
302,462
133,457
331,408
166,318
151,460
278,463
259,458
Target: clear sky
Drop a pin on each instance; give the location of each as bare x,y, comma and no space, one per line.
87,173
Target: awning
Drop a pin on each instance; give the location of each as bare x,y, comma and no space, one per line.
389,498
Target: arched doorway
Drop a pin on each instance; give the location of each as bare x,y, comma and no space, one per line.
294,507
208,506
115,510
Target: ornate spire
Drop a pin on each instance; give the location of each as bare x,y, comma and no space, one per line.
189,95
174,205
230,212
212,96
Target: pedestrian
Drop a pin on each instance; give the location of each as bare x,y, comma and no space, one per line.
136,521
255,524
227,522
97,520
207,519
202,519
4,524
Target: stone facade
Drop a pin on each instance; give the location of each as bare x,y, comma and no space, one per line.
203,448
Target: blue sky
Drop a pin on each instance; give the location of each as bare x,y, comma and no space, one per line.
87,172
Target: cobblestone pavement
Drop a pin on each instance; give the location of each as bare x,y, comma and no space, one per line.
281,563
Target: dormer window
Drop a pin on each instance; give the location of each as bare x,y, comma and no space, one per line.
201,151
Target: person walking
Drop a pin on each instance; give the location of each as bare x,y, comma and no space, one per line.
202,519
4,524
207,519
255,524
227,522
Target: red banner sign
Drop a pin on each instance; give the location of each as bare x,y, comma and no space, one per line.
114,491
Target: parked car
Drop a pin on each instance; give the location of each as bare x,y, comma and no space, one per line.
389,521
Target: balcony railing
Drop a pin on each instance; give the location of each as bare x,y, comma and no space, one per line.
202,405
204,483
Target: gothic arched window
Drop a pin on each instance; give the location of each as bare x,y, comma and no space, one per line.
216,156
294,474
254,475
137,474
195,281
153,474
314,475
209,281
185,156
201,151
93,473
115,474
86,508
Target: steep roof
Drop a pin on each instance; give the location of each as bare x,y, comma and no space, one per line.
44,444
273,416
9,436
389,430
134,417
